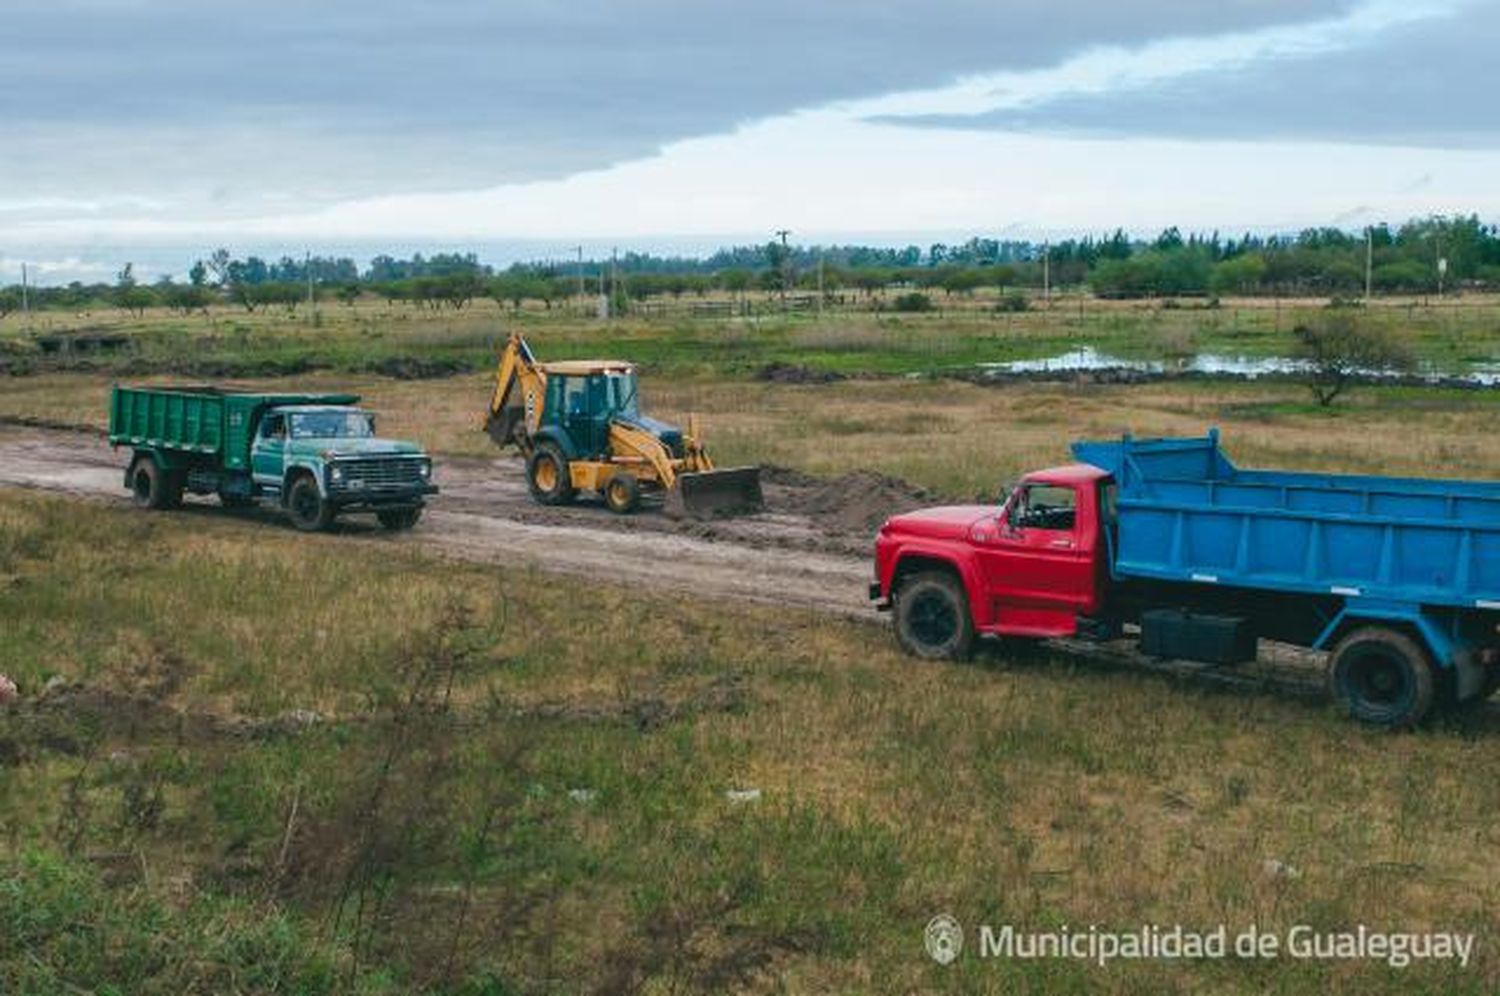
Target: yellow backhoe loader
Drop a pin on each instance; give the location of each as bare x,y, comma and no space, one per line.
579,426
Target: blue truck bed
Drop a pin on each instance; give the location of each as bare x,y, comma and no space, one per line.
1186,513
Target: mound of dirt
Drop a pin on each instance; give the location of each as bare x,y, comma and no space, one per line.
796,373
854,503
415,368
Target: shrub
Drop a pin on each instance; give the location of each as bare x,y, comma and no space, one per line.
914,301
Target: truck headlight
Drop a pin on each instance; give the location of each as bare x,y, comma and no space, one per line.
424,468
336,473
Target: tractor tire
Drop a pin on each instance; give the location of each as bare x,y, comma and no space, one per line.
399,519
1383,677
623,493
154,488
547,475
932,617
308,510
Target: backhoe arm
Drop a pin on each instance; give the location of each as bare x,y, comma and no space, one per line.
516,402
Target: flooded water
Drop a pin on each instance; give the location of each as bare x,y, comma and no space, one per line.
1086,359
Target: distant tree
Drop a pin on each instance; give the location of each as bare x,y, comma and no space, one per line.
1338,350
1240,274
348,293
183,298
736,281
10,300
218,264
131,296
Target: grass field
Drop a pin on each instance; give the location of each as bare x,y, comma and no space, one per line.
1452,334
274,763
504,794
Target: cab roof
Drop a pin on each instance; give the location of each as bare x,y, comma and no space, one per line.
313,409
578,368
1070,473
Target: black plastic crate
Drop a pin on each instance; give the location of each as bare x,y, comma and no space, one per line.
1184,635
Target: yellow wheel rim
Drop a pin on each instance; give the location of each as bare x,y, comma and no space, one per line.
546,475
617,492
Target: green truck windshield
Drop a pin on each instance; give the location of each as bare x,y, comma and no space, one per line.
332,425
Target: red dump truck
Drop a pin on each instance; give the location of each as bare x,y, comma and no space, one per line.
1398,578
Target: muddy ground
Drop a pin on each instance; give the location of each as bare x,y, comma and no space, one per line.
810,547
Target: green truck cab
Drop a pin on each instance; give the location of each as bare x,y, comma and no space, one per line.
316,455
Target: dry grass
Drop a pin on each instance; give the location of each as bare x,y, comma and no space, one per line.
1017,789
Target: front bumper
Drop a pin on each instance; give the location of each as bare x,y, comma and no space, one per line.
882,604
359,499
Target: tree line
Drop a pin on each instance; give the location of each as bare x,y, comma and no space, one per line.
1420,256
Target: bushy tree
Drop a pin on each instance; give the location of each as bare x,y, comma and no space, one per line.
1339,348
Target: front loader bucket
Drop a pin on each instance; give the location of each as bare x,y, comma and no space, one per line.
713,493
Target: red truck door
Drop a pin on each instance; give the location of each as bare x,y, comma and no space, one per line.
1037,559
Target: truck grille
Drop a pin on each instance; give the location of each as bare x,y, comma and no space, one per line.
379,475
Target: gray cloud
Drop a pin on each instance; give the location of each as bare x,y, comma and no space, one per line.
1426,84
284,103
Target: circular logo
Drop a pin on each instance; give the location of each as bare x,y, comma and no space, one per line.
943,938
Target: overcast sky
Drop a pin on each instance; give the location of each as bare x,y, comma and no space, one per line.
310,123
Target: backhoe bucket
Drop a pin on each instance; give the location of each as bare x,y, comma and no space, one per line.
713,493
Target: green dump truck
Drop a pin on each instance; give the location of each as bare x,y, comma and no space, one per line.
315,455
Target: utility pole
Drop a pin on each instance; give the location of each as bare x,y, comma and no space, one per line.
614,279
1047,274
1369,258
579,250
785,260
307,269
820,286
25,299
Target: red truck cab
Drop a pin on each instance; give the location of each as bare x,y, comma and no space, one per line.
1031,567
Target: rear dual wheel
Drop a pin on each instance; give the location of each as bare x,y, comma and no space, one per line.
152,487
1382,676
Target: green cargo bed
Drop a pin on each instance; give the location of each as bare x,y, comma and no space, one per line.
206,420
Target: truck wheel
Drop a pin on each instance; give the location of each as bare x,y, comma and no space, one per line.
547,475
623,493
932,617
1382,676
154,488
397,519
309,512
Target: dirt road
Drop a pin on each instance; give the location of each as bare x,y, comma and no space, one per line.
809,549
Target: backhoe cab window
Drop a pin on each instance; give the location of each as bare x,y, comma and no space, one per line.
622,394
1044,506
333,425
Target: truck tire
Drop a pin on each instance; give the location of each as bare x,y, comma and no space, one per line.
623,493
154,488
547,475
307,508
398,519
1382,676
932,617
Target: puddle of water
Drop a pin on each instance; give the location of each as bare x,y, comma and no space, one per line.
1087,358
